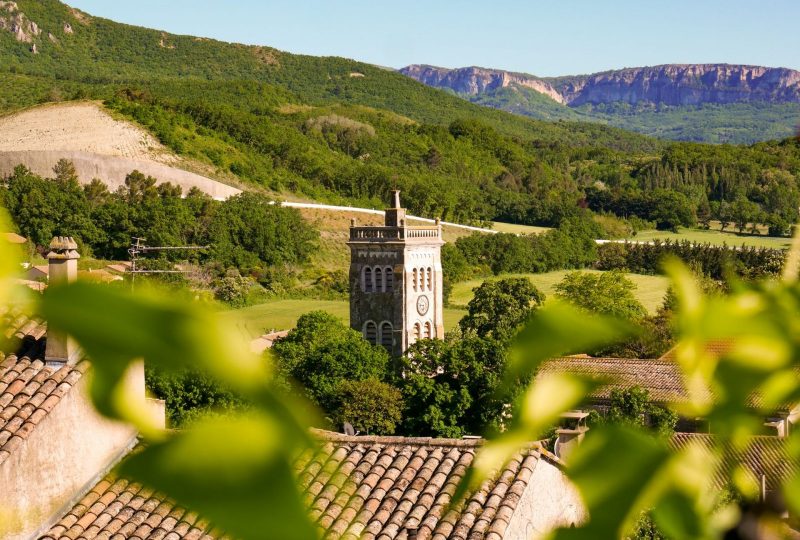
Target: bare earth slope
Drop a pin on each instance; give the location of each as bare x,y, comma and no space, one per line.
99,146
103,147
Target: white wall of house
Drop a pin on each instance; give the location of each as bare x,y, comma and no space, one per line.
549,501
60,460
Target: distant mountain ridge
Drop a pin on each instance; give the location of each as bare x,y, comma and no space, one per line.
669,84
718,103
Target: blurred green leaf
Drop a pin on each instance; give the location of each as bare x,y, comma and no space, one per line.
557,329
617,471
115,328
10,257
235,471
540,408
175,334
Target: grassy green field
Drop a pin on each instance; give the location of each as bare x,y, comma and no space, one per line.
714,236
254,321
650,290
518,229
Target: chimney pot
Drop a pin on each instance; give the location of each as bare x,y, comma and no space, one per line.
63,268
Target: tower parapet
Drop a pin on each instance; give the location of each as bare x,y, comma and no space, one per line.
396,281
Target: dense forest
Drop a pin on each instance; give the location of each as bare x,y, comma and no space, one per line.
337,130
247,234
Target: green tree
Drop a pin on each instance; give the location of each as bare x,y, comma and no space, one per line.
633,407
671,210
605,293
65,171
321,352
190,394
450,388
371,406
744,212
499,307
249,230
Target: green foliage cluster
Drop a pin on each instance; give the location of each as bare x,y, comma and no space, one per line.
321,353
572,245
190,394
729,123
498,308
450,387
717,262
690,182
247,231
606,293
633,407
371,406
453,387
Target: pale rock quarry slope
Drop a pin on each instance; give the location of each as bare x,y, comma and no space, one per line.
99,145
103,147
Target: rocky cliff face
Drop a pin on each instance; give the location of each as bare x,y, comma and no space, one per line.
672,84
14,21
474,80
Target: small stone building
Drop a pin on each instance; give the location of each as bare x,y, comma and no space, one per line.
396,281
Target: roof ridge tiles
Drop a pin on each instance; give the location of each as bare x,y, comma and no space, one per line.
331,436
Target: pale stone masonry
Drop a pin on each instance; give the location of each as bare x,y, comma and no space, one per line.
396,281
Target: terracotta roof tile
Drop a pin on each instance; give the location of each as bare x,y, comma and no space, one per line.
357,487
764,456
661,378
29,389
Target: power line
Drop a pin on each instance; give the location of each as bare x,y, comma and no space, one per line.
138,248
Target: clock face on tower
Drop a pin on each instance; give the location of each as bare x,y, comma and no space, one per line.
422,305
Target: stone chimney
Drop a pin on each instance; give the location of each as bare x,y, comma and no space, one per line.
571,434
63,268
396,215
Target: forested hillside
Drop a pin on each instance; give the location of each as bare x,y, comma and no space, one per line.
339,130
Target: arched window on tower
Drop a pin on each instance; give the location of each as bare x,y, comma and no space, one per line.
378,279
428,330
371,332
430,278
368,286
415,279
417,332
387,336
388,278
422,279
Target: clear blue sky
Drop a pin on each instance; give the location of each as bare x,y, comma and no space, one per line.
543,37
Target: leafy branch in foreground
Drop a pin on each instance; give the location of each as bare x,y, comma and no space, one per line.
237,471
621,471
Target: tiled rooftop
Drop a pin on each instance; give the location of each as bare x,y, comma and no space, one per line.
661,378
121,509
765,456
357,487
29,389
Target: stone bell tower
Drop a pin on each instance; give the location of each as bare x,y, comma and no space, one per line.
396,281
